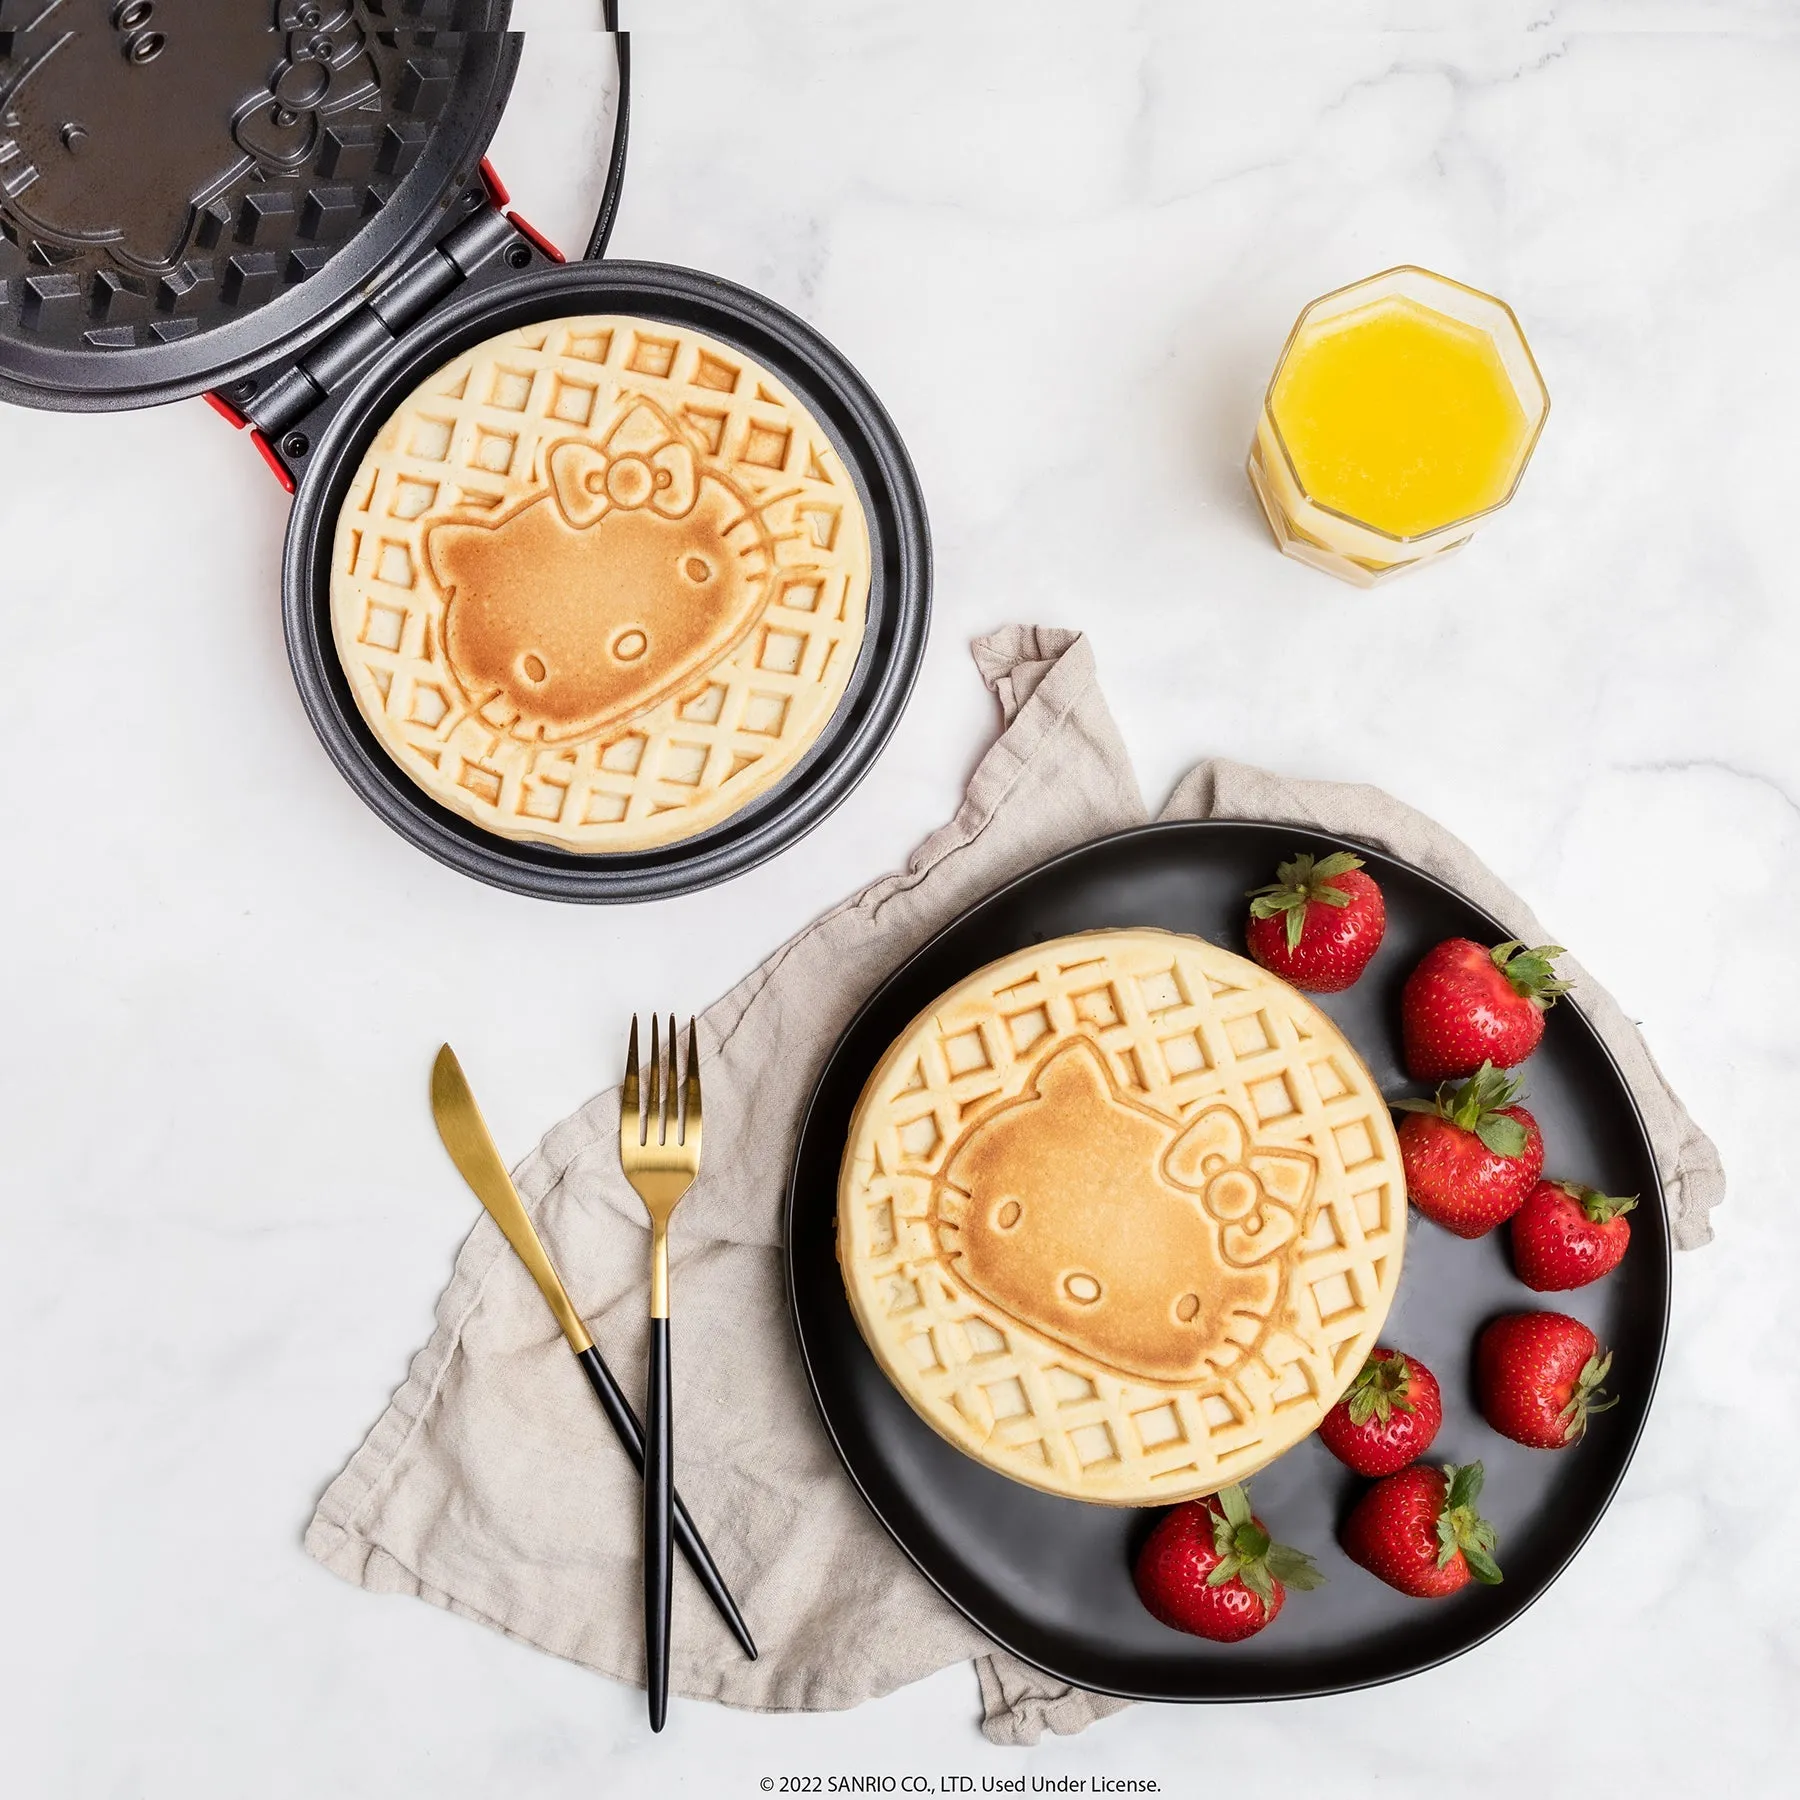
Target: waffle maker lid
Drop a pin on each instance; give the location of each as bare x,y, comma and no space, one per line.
192,188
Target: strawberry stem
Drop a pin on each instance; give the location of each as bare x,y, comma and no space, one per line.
1589,1397
1530,971
1297,883
1381,1385
1461,1527
1601,1209
1478,1105
1247,1553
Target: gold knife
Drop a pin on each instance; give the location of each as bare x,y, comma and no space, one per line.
471,1147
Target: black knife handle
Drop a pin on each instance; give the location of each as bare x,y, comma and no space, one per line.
659,1523
631,1435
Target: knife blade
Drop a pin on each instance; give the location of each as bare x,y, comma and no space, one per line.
471,1148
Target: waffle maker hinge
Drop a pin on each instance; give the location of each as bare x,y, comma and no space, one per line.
283,404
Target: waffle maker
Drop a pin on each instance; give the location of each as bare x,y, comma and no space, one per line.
284,206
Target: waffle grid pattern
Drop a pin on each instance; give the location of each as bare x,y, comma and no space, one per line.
1184,1025
473,438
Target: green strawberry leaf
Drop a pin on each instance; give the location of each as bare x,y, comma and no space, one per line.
1292,879
1257,1580
1600,1209
1503,1136
1530,971
1296,924
1247,1554
1482,1566
1270,901
1299,882
1478,1105
1446,1537
1381,1386
1294,1568
1464,1484
1252,1543
1488,1090
1461,1527
1588,1398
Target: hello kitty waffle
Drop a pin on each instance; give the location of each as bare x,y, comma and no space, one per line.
1121,1216
599,583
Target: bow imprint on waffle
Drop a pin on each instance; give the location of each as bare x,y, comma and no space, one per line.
634,568
1156,1247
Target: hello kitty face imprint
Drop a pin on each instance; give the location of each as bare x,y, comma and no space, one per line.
1109,1228
632,569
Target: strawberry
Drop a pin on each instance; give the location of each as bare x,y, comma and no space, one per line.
1419,1531
1538,1377
1471,1155
1318,923
1210,1569
1387,1418
1566,1235
1465,1005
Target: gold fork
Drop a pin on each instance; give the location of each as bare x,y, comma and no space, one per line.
659,1146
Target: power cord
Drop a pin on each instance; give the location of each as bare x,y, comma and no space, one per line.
615,171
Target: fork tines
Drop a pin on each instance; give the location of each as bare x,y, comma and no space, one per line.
671,1108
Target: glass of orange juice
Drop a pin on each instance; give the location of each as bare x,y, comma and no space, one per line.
1402,413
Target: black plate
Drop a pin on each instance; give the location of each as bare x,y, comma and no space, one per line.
899,588
1049,1579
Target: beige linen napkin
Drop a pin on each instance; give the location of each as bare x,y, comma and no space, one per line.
492,1485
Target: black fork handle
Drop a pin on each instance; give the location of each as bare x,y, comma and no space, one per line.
687,1538
659,1522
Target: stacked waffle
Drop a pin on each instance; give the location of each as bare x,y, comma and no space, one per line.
1122,1216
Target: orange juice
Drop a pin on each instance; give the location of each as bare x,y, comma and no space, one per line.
1400,416
1403,409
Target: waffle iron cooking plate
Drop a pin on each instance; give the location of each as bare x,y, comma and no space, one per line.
282,204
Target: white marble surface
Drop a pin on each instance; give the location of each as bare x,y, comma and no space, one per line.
1065,252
